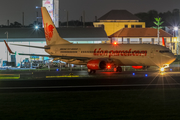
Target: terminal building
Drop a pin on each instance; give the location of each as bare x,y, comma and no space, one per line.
144,36
36,37
118,19
125,28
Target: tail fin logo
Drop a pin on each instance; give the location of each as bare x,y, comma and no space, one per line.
48,31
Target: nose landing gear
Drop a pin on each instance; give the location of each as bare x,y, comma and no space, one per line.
161,70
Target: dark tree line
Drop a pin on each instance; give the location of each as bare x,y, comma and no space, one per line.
19,25
76,23
12,25
169,18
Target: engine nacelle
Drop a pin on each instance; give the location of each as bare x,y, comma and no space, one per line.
96,64
140,67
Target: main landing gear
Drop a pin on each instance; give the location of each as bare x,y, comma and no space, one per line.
91,71
118,69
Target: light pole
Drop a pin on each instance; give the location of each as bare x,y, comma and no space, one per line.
67,15
174,35
37,17
67,18
7,43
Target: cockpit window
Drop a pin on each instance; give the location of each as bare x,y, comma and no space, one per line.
164,51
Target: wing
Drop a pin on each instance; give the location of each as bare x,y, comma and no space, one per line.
32,46
57,56
53,56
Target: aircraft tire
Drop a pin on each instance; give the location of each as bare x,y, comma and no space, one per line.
91,71
119,69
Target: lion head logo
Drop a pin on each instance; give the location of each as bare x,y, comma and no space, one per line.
48,31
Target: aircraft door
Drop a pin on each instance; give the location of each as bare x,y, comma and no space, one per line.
79,51
152,53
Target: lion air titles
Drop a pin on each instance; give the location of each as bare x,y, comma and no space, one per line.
99,52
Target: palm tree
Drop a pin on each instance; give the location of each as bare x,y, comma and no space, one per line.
158,24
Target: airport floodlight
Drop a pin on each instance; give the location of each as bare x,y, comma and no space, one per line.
175,28
36,27
37,7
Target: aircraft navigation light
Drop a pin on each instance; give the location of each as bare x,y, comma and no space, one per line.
115,43
108,66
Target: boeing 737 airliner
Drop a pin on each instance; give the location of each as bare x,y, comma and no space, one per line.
99,56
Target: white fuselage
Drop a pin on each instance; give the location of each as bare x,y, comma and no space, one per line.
121,54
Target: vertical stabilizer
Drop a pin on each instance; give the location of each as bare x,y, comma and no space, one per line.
51,34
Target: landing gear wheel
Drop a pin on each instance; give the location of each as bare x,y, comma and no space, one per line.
91,71
119,69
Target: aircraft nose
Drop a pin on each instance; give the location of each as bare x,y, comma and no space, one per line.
172,58
169,58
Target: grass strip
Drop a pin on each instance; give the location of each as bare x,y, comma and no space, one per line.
92,105
9,76
62,76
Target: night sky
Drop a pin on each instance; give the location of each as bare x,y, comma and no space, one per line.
12,9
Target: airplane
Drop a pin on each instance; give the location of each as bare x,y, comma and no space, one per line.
100,56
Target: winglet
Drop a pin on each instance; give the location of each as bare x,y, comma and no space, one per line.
8,48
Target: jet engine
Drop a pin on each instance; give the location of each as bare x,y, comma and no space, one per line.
96,64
